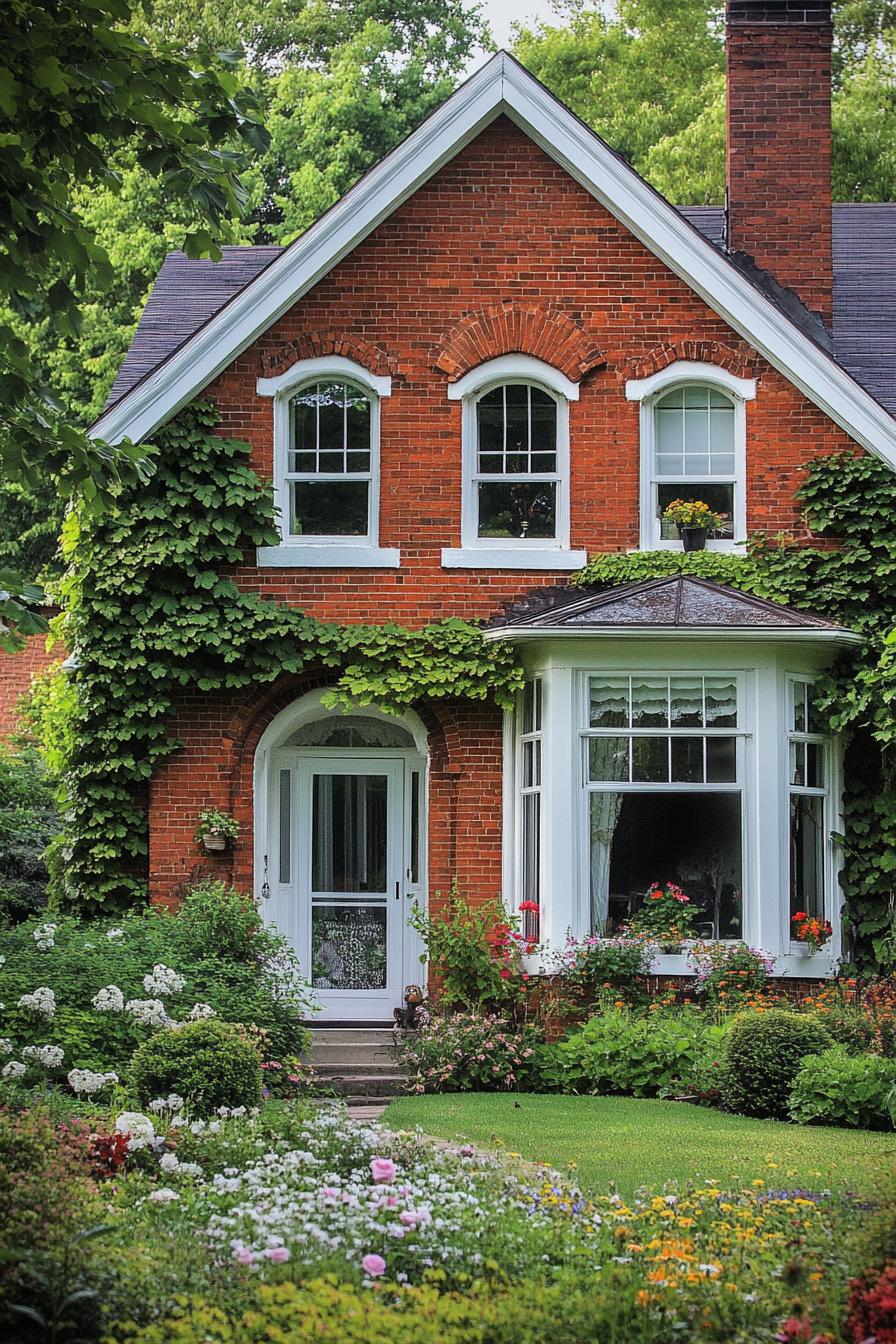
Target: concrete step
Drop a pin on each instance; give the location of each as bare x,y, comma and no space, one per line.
351,1036
350,1055
361,1086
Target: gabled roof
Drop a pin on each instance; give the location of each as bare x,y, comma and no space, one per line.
501,87
676,605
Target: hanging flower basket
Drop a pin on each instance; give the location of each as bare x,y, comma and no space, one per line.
216,831
214,843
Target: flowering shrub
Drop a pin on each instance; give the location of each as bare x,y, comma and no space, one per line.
477,952
469,1052
286,1078
666,914
730,975
619,1052
836,1088
764,1053
872,1307
617,966
96,990
810,929
210,1063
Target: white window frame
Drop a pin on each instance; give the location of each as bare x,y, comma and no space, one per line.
825,792
533,737
648,391
362,552
536,553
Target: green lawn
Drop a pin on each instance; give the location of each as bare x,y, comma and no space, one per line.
632,1143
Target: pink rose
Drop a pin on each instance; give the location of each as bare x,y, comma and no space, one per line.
373,1266
383,1169
244,1257
278,1254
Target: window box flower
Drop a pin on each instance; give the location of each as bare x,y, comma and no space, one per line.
694,520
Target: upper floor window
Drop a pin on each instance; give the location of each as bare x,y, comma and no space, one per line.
326,465
693,447
515,451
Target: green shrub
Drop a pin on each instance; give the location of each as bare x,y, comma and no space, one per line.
836,1088
847,1026
764,1052
617,966
217,922
618,1052
209,1064
472,1052
476,951
28,822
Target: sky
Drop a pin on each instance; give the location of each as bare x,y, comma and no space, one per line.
502,13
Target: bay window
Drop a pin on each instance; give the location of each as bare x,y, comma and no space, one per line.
807,791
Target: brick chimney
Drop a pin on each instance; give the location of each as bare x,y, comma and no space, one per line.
779,142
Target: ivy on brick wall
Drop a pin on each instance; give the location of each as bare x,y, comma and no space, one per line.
851,502
152,612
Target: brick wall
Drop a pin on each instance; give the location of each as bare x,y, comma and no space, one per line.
17,670
501,251
779,142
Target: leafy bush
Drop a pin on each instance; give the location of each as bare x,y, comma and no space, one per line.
619,966
836,1088
618,1052
216,959
764,1052
872,1306
28,822
471,1052
210,1064
476,951
729,975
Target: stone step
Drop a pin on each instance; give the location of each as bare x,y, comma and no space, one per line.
359,1087
351,1036
352,1067
349,1056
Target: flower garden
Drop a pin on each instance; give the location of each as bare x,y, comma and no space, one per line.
169,1174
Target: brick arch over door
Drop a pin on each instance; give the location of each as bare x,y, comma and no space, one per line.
507,328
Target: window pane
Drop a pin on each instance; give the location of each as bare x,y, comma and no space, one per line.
531,764
304,423
348,946
517,420
721,760
719,497
543,463
650,702
608,759
349,833
813,724
798,763
798,706
329,508
531,845
806,854
814,765
695,397
357,420
519,510
721,702
285,824
490,420
331,404
532,706
544,423
687,760
670,442
303,461
609,702
329,463
687,702
696,433
650,759
693,839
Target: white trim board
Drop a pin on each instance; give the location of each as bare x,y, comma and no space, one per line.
502,87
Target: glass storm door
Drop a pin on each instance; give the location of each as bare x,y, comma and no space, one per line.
351,899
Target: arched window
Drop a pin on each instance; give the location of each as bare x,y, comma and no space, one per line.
693,446
515,511
326,464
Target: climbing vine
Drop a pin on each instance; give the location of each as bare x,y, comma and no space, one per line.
152,611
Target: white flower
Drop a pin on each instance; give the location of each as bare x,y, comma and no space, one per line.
51,1056
170,1103
163,980
201,1010
148,1012
5,1045
114,934
108,1000
141,1129
85,1082
42,1002
169,1162
165,1195
44,936
13,1069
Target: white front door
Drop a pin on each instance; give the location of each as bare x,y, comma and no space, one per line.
350,841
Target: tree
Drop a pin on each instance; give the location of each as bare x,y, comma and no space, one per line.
75,86
650,78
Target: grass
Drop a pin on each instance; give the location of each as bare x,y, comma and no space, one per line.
627,1143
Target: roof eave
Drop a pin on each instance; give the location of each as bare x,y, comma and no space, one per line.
760,634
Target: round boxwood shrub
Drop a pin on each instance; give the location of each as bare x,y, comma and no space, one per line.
763,1058
208,1063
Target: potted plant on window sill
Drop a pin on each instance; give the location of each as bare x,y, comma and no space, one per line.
694,520
665,918
216,831
810,933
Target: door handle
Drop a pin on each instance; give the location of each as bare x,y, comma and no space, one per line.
398,891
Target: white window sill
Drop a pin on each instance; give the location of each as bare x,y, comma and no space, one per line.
720,547
470,557
329,556
799,966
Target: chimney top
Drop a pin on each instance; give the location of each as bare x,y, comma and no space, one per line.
778,11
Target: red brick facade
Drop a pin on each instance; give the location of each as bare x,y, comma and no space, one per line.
779,143
500,252
17,671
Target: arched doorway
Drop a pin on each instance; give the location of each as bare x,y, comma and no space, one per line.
340,826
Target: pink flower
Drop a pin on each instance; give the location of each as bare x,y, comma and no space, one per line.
244,1257
278,1254
383,1169
373,1266
408,1217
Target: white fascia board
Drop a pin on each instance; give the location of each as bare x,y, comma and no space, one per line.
759,635
660,228
503,86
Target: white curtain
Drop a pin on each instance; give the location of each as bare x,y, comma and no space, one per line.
605,809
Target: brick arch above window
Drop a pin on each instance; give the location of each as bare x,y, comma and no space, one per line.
319,344
740,362
538,330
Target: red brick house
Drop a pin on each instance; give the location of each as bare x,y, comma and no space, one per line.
499,352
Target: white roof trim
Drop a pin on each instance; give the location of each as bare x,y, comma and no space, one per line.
501,87
509,368
690,371
759,634
324,366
